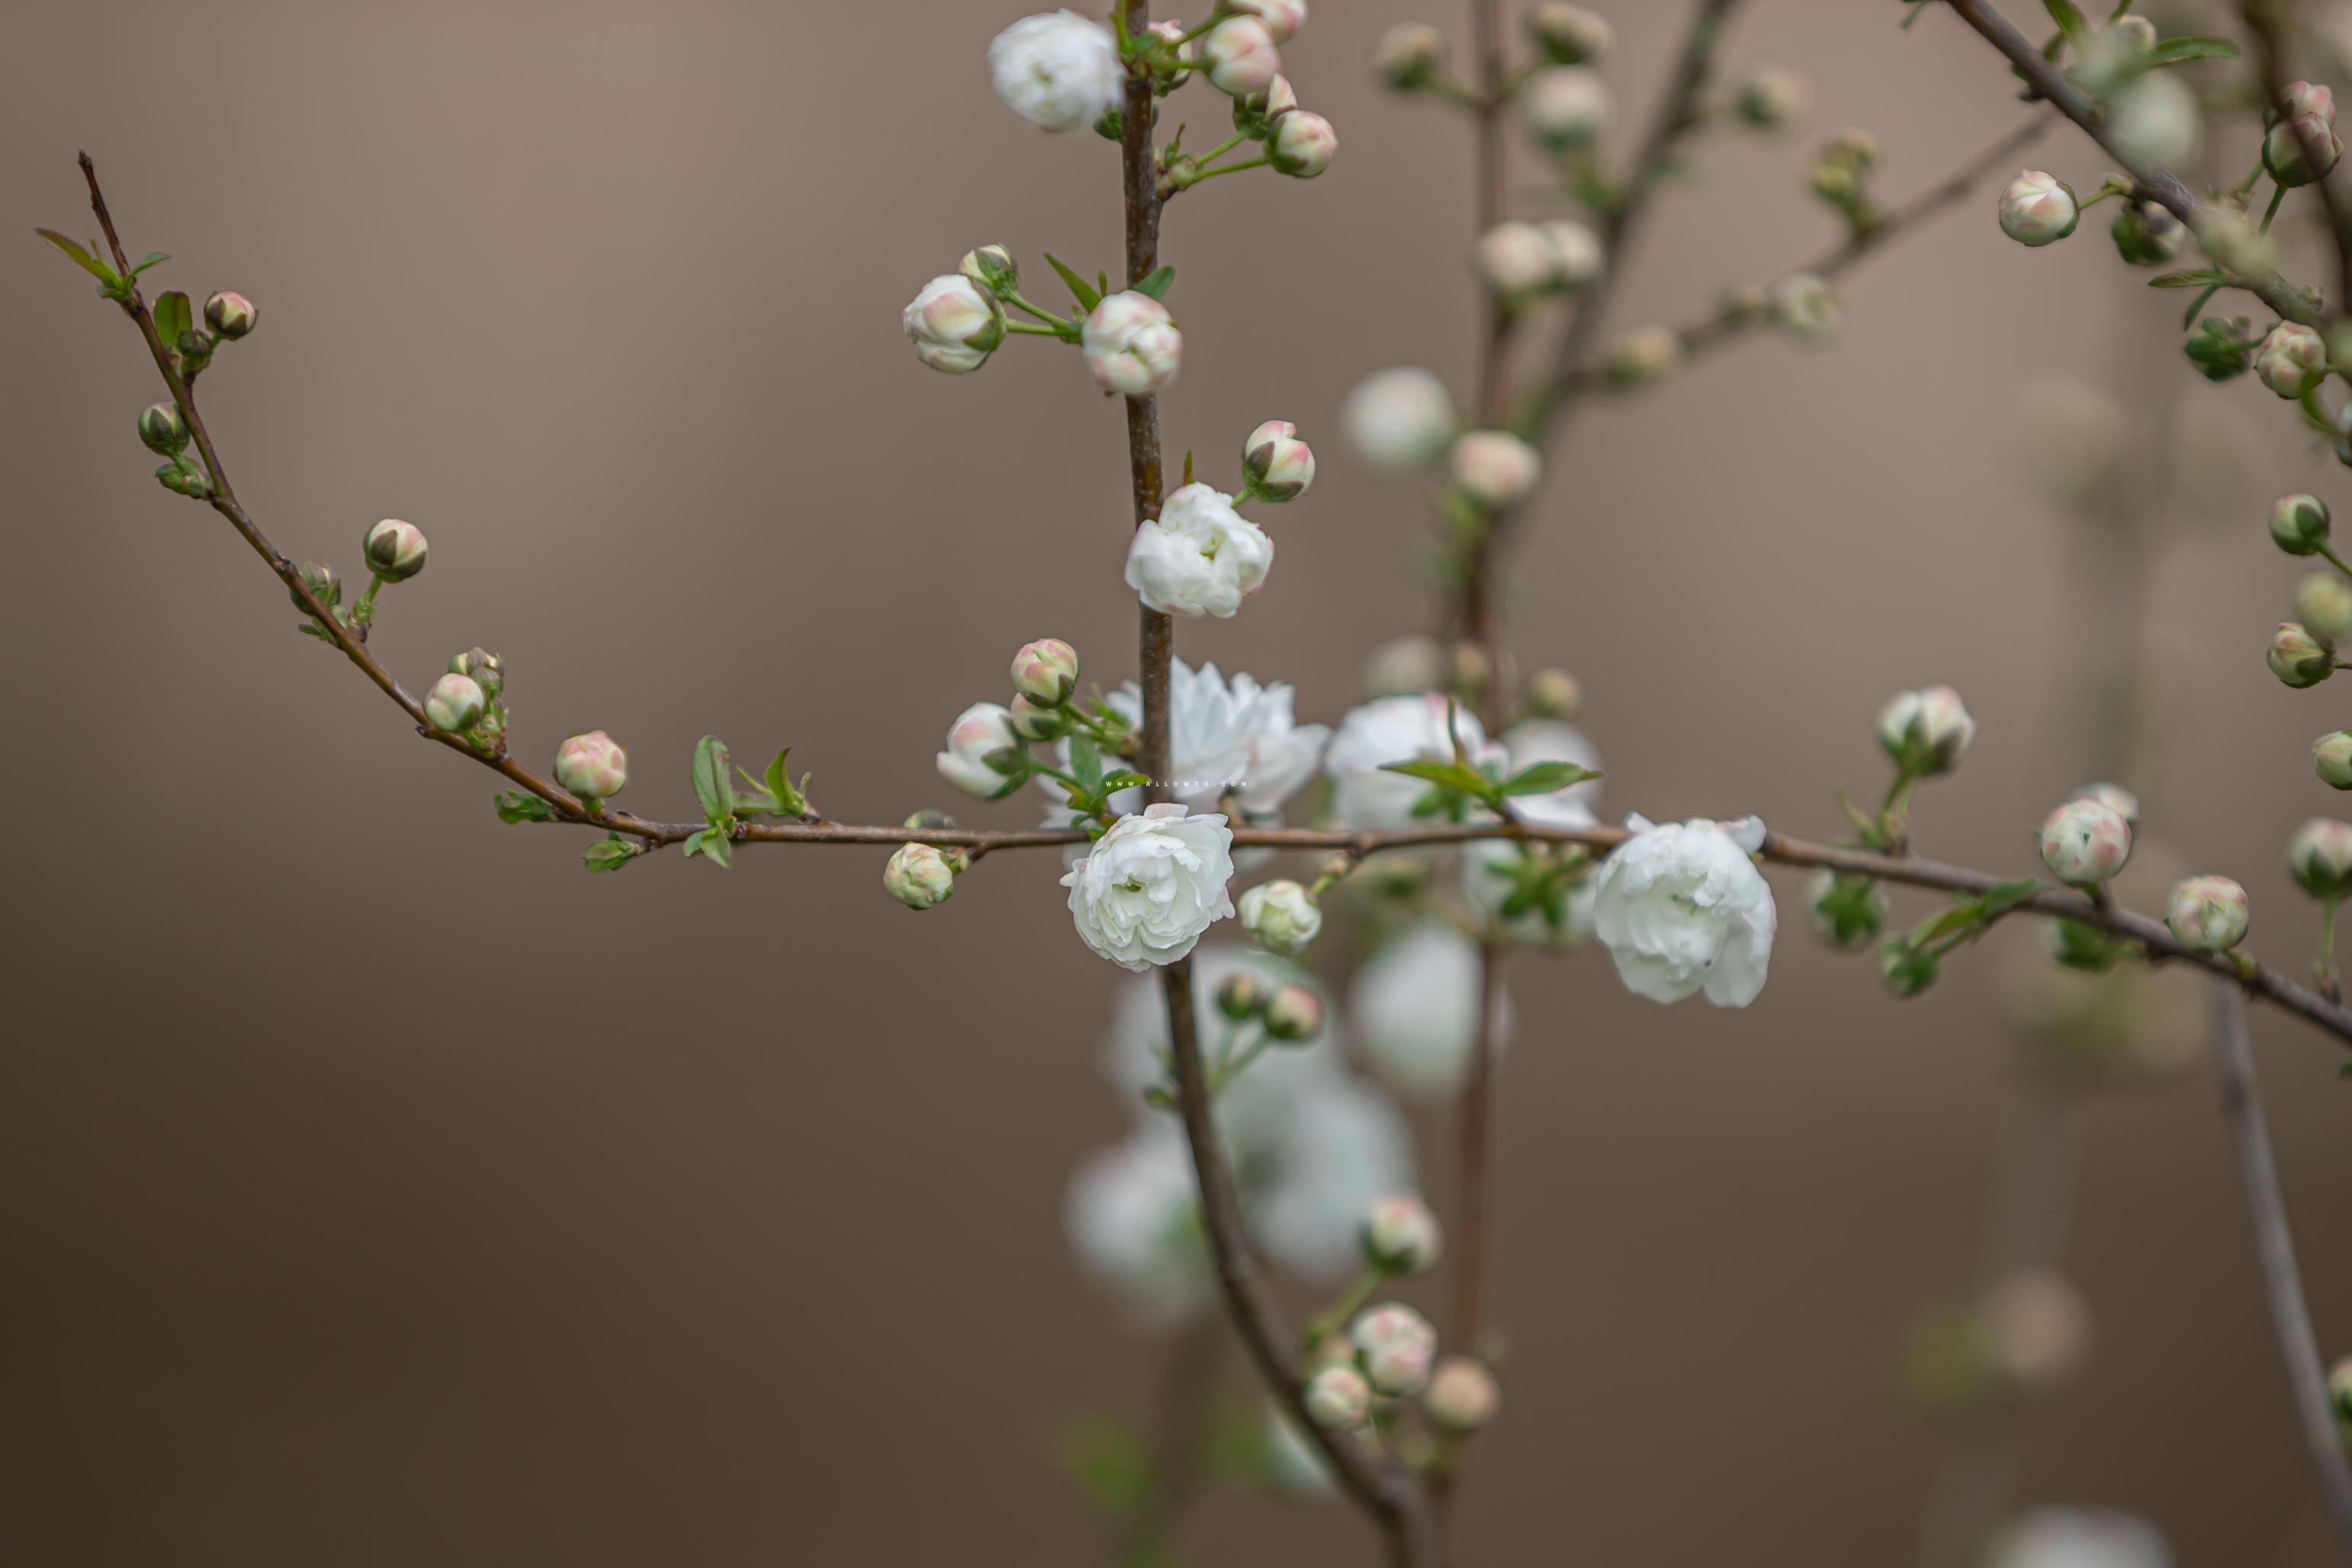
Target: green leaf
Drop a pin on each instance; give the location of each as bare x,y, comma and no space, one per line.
2069,19
2180,51
81,258
1122,780
609,853
2193,278
1112,1466
173,317
1086,764
1446,775
712,787
779,784
1156,281
514,805
151,258
2001,899
1084,293
718,847
1546,778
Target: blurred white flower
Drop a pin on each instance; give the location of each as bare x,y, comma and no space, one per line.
2157,121
1682,909
1399,420
1414,1006
1058,70
1345,1146
1395,729
1133,1219
2078,1538
1151,885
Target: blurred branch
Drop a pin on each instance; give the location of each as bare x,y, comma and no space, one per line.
2263,25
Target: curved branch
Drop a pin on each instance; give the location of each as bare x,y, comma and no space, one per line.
2156,182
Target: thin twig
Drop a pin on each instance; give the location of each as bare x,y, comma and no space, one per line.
2156,182
2262,21
2241,1104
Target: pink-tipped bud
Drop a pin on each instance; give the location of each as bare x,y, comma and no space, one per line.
1046,671
2292,360
2331,759
1408,56
592,766
1130,345
1554,694
1494,468
2319,856
2114,797
2299,524
1293,1014
1926,731
1566,107
453,703
1279,465
1394,1345
919,877
2300,148
1302,144
1338,1398
2085,843
1568,34
1401,1236
981,735
1239,57
2298,658
1462,1395
394,550
230,315
1242,995
1280,917
954,323
162,430
2037,209
2209,914
1033,722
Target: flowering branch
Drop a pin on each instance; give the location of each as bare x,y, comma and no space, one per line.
2261,20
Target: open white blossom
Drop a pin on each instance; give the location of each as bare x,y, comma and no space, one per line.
1395,729
1415,1006
1343,1148
1058,70
1151,885
1399,420
1199,557
2078,1538
1682,909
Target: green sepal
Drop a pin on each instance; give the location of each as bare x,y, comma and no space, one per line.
2070,20
1084,293
514,805
610,854
1546,778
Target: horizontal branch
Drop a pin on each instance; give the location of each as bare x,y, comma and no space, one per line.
2156,182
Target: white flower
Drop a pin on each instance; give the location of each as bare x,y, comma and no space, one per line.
1682,909
1280,917
1514,257
953,324
1578,248
1151,885
2078,1538
1495,469
1130,343
980,729
1132,1215
1240,739
1399,420
2037,209
1344,1146
1415,1006
1199,557
1396,730
2157,119
1565,105
1058,70
1238,55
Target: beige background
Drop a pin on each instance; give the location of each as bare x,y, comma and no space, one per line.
379,1189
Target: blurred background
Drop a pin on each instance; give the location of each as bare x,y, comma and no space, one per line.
379,1188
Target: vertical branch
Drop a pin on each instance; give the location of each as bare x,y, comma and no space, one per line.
1474,1151
2242,1105
2262,26
1390,1496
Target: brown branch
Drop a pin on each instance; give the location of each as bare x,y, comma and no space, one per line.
1714,331
2262,21
2241,1104
2156,182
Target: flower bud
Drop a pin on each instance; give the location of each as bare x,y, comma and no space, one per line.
1743,304
2339,1395
1848,911
230,315
2291,146
1643,355
1046,671
1401,1236
2298,658
919,877
2299,524
1906,969
1283,19
1493,467
1394,1345
1578,250
2219,348
2114,797
1338,1397
184,480
1033,722
1566,107
2209,914
2085,843
2037,209
2155,119
2147,235
1771,97
2331,759
162,429
1408,56
324,585
981,735
1242,995
1255,116
1399,420
1806,307
1461,1397
394,550
488,669
1293,1014
453,703
928,821
2319,857
1554,694
2323,603
1568,34
2292,360
1926,731
1517,259
1238,56
1279,464
993,268
1280,917
1302,144
592,766
1130,343
954,323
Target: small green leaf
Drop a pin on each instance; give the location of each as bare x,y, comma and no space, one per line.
2181,50
1084,293
516,805
779,784
712,787
1999,900
1446,775
1546,778
2192,277
81,258
1156,281
173,317
151,258
609,853
718,847
2069,19
1086,764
